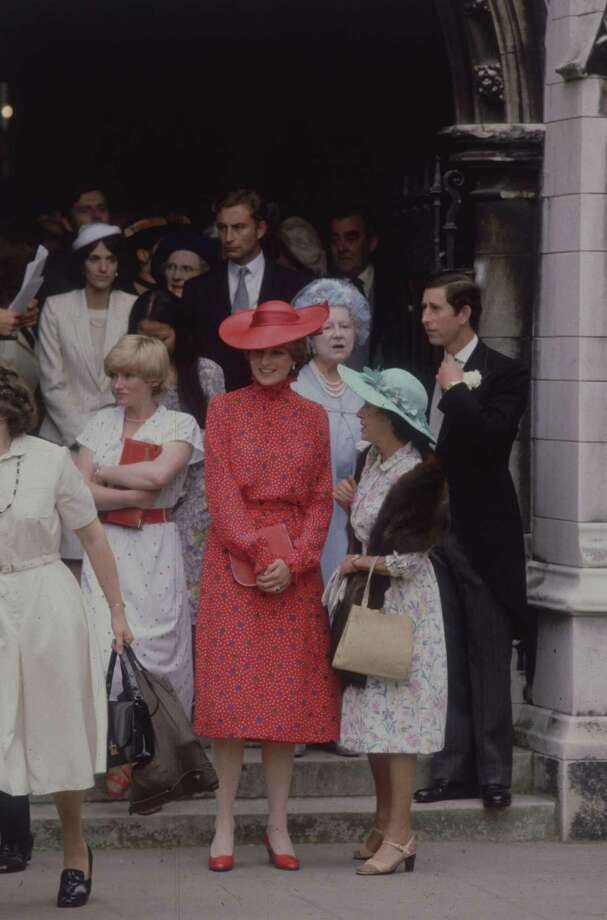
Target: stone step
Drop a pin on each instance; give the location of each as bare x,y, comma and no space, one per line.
320,774
311,820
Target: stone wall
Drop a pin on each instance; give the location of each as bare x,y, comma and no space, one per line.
567,726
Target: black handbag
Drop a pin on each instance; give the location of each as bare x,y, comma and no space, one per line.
130,737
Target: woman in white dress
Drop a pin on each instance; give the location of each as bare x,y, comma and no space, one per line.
397,513
347,326
76,332
53,706
150,560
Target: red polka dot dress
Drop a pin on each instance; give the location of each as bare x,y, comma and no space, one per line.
262,660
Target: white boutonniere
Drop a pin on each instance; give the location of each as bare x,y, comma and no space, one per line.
472,379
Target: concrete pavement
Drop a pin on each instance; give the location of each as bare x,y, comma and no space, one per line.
452,881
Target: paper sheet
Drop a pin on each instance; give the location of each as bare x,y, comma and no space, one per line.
32,281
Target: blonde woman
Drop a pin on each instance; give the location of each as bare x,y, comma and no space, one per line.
150,560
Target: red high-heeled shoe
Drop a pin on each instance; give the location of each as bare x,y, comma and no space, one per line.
221,863
280,860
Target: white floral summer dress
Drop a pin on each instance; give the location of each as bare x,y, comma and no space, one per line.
388,716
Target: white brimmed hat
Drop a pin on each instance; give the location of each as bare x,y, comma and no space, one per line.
92,233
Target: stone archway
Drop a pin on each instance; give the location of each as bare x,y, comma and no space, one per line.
496,53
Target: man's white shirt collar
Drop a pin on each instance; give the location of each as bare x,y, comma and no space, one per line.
462,356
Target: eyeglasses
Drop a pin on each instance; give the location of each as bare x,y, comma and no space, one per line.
186,269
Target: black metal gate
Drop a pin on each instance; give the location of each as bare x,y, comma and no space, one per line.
433,236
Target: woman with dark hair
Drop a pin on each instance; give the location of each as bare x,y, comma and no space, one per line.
76,332
53,712
397,513
193,381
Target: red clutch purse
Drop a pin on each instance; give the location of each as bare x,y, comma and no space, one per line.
279,546
132,452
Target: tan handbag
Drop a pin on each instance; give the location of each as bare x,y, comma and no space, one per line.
375,643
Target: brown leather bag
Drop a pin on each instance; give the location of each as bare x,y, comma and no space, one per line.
180,767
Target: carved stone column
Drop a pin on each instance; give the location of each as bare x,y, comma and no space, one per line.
567,725
502,163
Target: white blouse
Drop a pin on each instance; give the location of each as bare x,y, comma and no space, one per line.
103,437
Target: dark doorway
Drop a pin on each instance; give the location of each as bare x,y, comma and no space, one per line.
169,100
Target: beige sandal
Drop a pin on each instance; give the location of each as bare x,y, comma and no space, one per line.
371,845
405,858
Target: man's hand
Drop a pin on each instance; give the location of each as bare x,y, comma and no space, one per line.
449,372
29,317
9,322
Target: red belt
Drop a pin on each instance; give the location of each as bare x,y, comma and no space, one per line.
150,516
157,516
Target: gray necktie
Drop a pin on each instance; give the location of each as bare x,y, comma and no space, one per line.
241,295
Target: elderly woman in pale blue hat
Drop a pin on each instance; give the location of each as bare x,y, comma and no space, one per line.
346,327
397,513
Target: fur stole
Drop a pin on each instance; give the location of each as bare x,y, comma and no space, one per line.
412,519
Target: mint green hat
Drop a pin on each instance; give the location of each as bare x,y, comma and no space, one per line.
394,390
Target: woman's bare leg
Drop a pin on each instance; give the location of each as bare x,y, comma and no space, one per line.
398,829
227,760
278,769
75,852
380,768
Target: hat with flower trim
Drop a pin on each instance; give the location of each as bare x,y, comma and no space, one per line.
394,390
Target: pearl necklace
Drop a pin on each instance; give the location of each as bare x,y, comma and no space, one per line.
336,390
12,498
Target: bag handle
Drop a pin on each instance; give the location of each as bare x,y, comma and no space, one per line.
137,666
129,687
365,600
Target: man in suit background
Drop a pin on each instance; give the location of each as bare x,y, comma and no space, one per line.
481,565
83,204
246,277
356,255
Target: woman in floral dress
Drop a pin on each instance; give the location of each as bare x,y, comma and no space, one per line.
397,513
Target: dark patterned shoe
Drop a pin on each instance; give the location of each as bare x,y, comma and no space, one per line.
14,857
74,888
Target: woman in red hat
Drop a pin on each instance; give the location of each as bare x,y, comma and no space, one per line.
262,661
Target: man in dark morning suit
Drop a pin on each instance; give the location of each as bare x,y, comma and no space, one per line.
357,255
481,564
245,279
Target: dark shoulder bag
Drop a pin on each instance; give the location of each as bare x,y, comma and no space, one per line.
130,738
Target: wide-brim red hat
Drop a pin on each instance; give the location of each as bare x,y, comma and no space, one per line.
272,323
